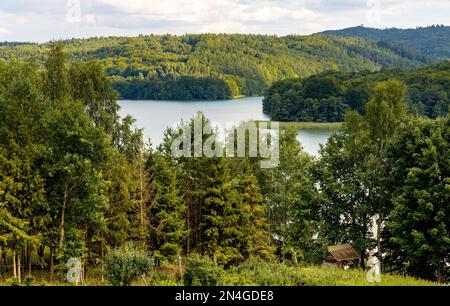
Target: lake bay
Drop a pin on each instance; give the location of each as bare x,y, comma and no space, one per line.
155,116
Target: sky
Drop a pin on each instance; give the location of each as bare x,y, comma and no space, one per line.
45,20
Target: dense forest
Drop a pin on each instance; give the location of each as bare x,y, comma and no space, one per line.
328,96
433,41
210,66
76,181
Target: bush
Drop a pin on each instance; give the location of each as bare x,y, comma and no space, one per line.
256,272
123,266
29,280
13,282
201,271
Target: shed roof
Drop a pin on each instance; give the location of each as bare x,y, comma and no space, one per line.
343,252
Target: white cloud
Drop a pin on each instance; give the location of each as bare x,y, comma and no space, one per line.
198,11
90,19
43,20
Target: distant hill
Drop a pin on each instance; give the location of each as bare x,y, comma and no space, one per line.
431,41
217,66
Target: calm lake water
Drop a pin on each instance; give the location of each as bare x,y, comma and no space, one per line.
155,116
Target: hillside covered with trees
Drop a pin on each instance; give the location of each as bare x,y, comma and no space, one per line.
76,181
433,41
328,96
214,66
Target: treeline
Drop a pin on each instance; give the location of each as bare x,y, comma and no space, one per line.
248,63
76,181
184,88
432,41
328,96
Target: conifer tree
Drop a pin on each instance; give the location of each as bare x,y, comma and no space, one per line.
167,209
254,220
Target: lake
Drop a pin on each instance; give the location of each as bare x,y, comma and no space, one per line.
155,116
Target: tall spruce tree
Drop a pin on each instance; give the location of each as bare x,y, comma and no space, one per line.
167,209
258,242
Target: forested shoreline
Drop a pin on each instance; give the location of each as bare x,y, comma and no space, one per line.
210,66
328,96
77,181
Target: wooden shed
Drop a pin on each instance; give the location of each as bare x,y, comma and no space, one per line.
342,255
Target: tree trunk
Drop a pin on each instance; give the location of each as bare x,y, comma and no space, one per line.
51,264
14,264
1,264
61,233
29,259
188,227
19,270
141,208
103,259
440,273
379,222
180,264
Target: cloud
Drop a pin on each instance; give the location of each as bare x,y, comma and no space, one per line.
43,20
197,11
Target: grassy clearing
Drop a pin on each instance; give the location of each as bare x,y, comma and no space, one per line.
257,274
263,274
315,276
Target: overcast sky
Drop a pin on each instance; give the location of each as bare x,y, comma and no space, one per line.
44,20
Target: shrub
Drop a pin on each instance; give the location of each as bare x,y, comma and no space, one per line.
29,280
256,272
13,282
201,271
123,266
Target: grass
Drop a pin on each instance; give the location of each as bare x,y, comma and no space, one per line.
257,273
266,274
315,276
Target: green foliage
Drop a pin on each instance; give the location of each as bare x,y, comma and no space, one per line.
222,203
316,276
418,229
77,181
183,88
352,170
123,266
414,43
29,280
261,273
59,134
201,271
291,203
167,227
328,96
210,66
254,219
56,82
13,282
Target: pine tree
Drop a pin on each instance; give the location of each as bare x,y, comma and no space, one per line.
253,219
167,209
